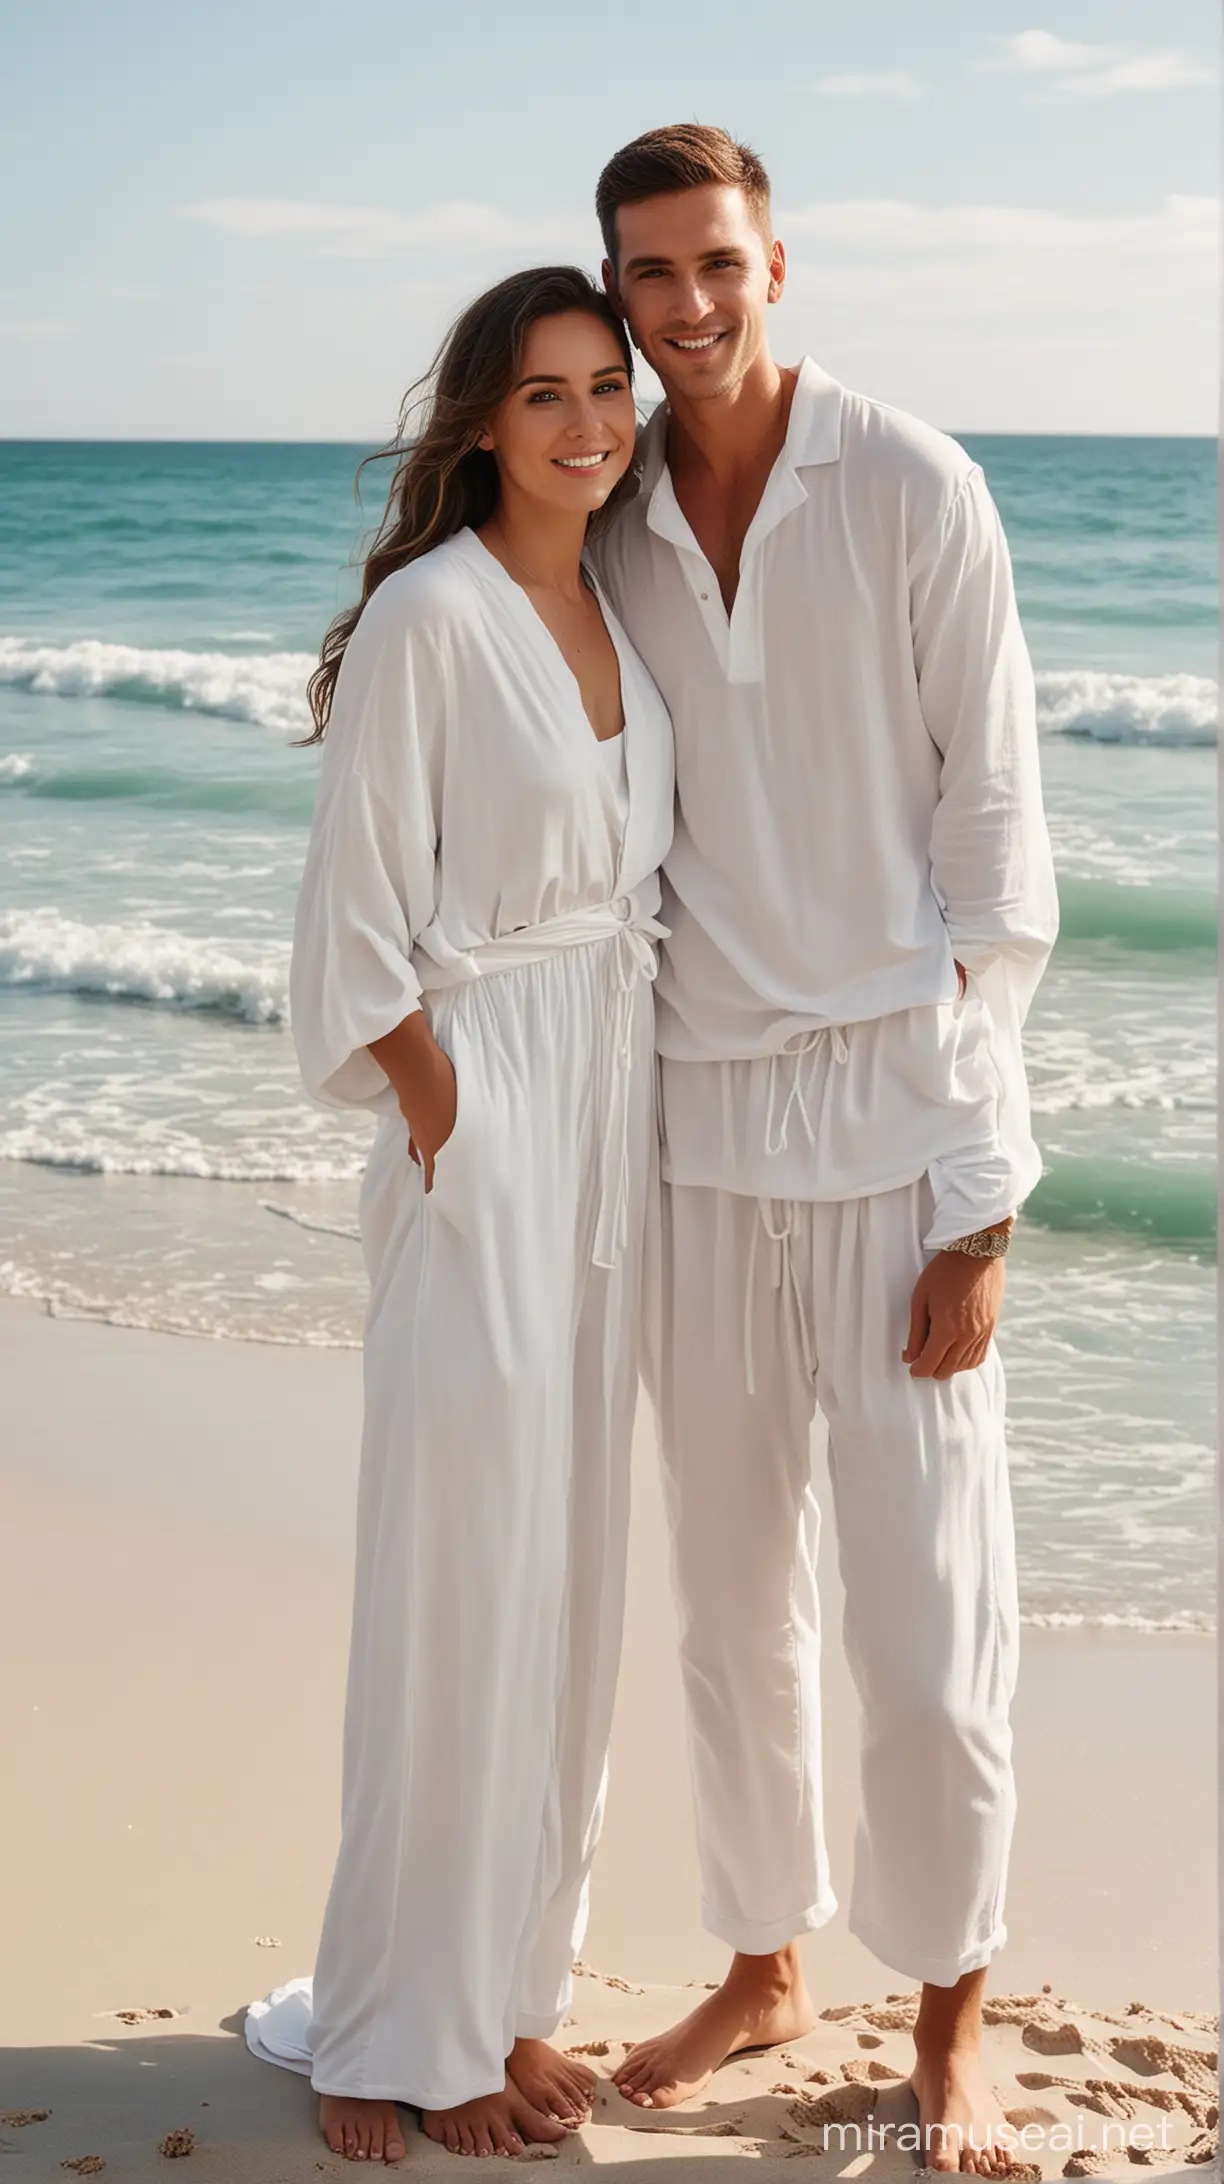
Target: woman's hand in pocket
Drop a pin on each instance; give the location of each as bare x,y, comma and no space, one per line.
429,1107
423,1080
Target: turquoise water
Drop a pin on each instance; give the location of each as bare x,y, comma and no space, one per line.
161,607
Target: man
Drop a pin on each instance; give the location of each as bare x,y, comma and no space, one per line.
861,902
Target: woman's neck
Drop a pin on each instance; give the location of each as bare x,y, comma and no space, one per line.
537,545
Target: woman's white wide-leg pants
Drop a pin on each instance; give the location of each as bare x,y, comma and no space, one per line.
808,1304
500,1385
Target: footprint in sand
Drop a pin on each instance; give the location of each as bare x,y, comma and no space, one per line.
16,2119
138,2017
1148,2054
85,2165
843,2104
589,2047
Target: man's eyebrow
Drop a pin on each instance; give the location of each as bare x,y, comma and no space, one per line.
555,379
714,250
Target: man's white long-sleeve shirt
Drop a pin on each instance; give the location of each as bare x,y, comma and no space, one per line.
858,807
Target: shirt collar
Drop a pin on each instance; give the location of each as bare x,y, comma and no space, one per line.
813,431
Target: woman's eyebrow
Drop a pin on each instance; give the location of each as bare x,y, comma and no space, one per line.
557,379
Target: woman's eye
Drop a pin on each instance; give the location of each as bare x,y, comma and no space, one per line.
542,394
610,386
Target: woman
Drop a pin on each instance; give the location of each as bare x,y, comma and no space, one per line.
472,961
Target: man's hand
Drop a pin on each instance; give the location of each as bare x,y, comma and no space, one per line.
953,1314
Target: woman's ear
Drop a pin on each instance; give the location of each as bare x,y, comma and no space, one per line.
486,441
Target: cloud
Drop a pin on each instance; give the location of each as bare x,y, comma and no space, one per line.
893,227
1037,51
371,231
982,265
1147,72
890,83
1068,70
37,329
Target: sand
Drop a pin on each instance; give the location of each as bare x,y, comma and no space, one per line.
176,1517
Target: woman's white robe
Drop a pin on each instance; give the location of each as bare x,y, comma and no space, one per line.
462,855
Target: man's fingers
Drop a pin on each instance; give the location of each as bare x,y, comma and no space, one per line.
412,1151
428,1165
920,1320
934,1350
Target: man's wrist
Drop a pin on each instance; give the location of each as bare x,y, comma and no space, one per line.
984,1243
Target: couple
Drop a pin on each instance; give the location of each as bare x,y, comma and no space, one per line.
801,601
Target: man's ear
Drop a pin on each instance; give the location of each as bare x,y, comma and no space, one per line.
610,288
777,272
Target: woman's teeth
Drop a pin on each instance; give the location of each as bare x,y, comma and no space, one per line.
582,462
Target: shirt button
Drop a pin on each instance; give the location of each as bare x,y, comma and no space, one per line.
705,594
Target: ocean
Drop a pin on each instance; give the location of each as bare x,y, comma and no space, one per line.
160,607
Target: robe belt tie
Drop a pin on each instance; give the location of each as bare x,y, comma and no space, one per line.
633,935
794,1051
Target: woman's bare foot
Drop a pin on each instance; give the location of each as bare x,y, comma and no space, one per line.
361,2130
762,2002
498,2123
958,2109
556,2084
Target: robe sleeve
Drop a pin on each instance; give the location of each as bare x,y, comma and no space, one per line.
992,867
368,885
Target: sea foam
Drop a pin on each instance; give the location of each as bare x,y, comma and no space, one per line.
269,690
41,949
1177,711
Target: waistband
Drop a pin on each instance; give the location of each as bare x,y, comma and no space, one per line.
634,959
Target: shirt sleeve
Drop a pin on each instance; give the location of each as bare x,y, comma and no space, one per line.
992,867
368,885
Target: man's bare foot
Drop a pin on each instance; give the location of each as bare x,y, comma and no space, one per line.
762,2003
558,2085
361,2130
497,2123
958,2110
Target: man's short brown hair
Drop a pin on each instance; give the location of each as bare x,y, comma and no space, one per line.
686,156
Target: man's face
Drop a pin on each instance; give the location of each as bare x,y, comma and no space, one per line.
694,278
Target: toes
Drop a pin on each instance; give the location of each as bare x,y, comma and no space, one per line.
467,2144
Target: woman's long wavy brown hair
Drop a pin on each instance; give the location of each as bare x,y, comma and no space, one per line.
443,480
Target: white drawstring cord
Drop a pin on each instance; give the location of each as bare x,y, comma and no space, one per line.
634,958
795,1050
786,1269
807,1042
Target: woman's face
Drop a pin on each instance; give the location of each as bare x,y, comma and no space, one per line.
565,434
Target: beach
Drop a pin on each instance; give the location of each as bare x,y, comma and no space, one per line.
159,1164
178,1515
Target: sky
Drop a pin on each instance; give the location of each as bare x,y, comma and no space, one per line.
254,219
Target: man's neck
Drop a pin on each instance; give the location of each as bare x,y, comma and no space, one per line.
732,435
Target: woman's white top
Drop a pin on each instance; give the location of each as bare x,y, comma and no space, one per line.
858,803
467,817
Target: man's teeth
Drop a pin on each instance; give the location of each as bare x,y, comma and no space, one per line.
581,462
706,341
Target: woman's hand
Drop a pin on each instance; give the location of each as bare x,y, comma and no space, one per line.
429,1107
422,1077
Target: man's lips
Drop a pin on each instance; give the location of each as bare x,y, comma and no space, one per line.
696,344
